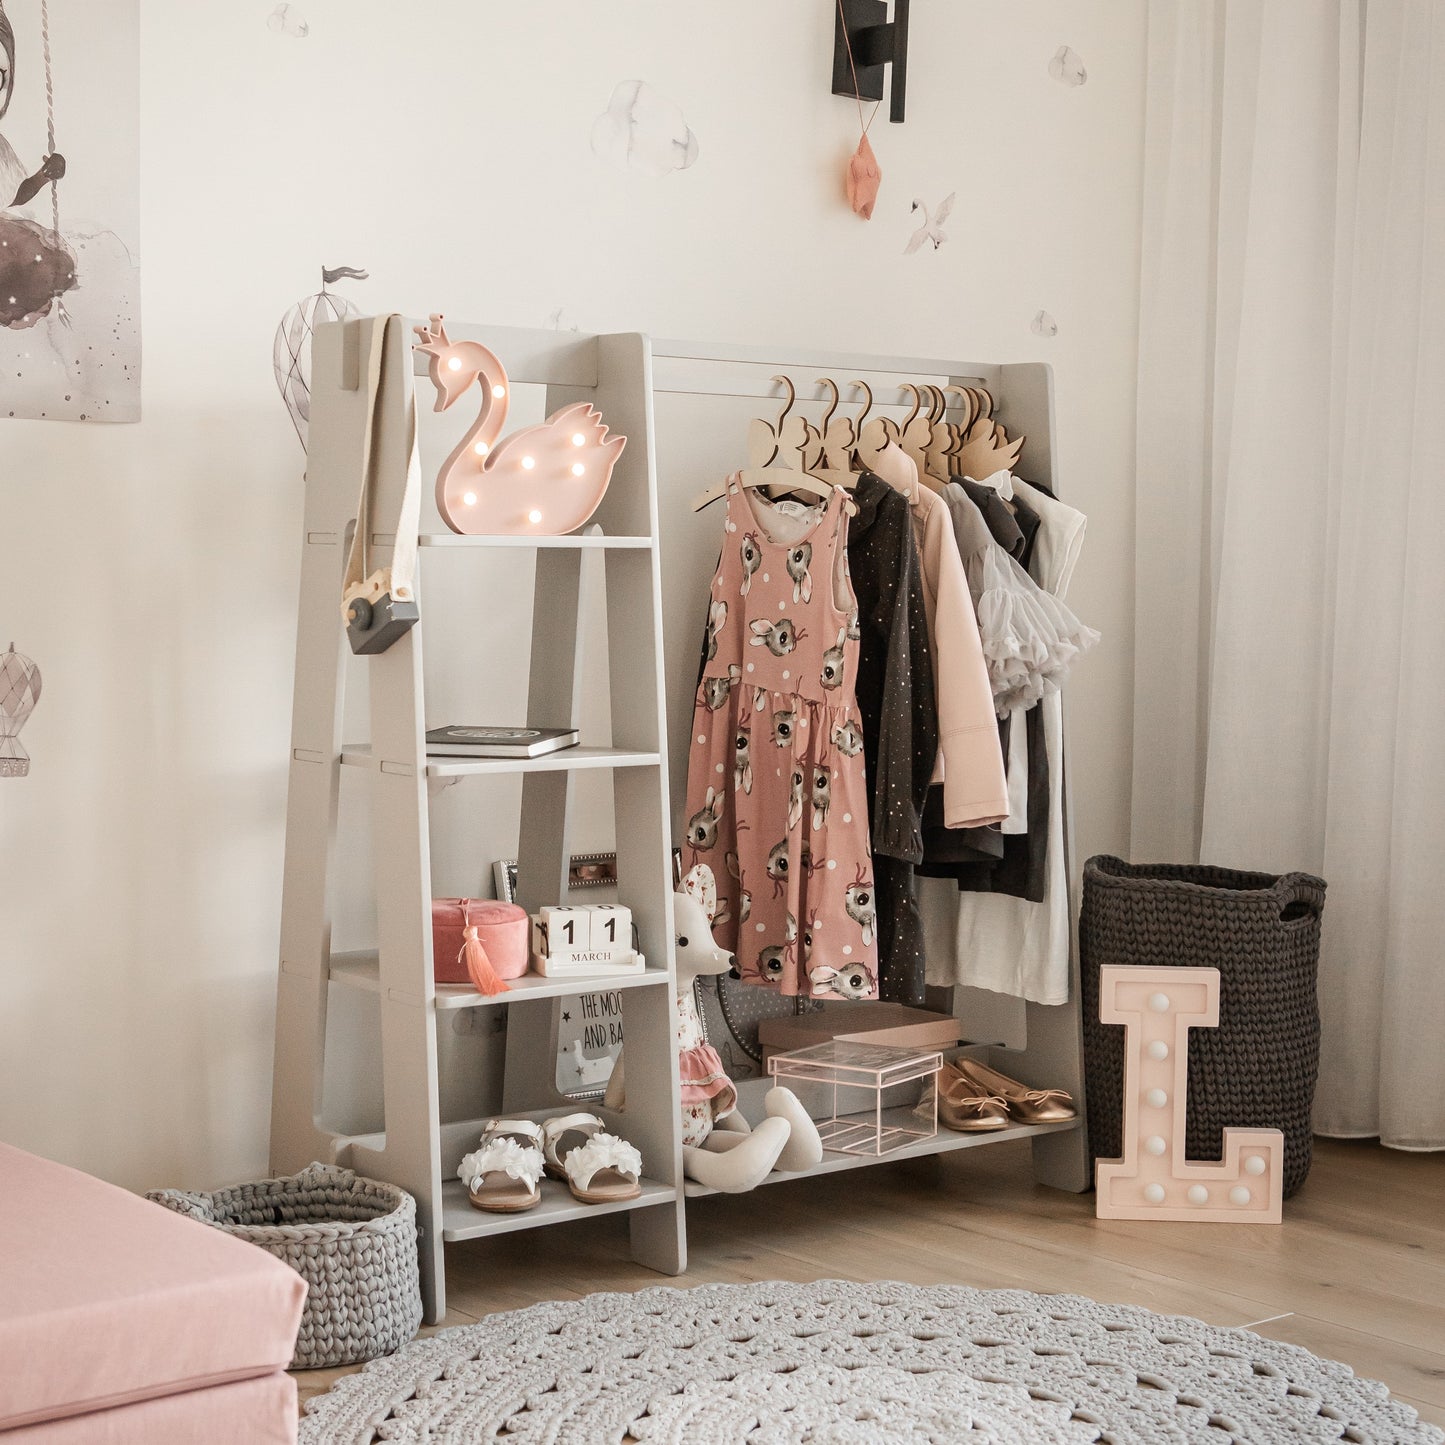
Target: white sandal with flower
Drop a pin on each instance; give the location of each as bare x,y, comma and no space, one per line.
502,1176
599,1168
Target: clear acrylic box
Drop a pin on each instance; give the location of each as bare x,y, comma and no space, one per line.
853,1078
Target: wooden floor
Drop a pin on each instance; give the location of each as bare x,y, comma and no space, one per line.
1356,1273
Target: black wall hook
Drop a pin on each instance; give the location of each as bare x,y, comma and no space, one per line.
877,42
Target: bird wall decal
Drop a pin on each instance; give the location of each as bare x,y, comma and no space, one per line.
932,227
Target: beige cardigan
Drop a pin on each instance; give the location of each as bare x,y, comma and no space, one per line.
970,760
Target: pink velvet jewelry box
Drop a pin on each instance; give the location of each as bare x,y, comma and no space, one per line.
501,929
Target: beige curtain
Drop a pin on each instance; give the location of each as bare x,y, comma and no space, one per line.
1290,682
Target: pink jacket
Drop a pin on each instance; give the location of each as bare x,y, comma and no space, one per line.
970,760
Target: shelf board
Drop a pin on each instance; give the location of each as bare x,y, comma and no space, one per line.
585,542
363,971
578,759
460,1220
944,1142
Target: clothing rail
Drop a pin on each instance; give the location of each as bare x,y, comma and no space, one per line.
685,370
1041,1045
1022,392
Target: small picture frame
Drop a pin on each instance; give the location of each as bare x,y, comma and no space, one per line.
589,1039
586,870
504,873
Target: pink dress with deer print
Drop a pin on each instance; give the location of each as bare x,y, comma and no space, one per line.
776,799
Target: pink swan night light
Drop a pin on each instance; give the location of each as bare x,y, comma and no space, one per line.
540,481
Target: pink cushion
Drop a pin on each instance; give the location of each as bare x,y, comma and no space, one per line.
259,1411
106,1298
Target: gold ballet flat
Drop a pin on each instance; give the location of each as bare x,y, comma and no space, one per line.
965,1109
1025,1105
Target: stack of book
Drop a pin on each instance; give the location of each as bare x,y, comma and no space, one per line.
460,741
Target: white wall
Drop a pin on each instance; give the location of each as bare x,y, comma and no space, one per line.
151,570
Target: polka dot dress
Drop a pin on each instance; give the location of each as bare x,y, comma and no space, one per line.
777,801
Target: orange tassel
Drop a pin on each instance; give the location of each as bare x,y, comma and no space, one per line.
478,965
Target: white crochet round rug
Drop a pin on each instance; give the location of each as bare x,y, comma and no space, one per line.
834,1363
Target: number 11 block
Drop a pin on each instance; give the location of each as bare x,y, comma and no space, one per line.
1158,1007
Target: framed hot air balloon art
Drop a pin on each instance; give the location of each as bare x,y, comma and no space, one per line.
69,210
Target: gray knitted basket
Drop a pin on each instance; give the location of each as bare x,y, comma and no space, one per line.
1257,1069
352,1240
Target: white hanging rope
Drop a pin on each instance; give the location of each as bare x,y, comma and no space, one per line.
49,115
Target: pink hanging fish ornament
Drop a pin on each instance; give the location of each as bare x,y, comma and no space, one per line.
864,179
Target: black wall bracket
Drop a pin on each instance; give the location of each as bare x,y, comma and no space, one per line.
877,43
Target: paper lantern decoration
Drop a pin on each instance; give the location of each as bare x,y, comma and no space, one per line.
19,692
1158,1007
291,350
540,481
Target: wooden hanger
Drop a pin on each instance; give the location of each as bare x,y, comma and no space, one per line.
859,421
873,435
986,448
802,445
837,438
765,437
941,438
814,450
786,466
797,438
958,431
916,432
838,433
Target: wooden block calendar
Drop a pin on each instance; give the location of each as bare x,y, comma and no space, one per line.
593,938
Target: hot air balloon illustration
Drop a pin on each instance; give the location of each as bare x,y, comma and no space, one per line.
291,351
19,692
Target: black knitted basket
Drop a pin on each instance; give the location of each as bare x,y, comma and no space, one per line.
1257,1069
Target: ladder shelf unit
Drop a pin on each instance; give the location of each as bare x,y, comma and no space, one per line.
418,1149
